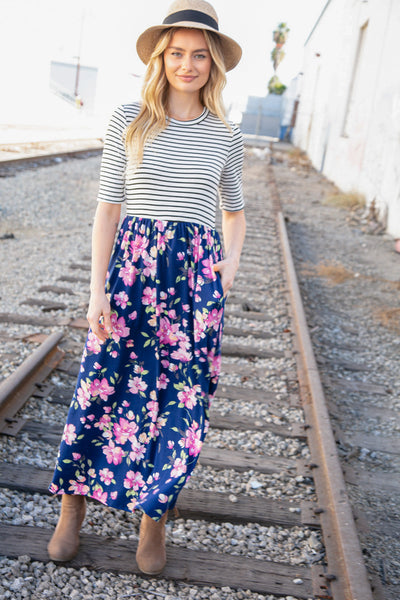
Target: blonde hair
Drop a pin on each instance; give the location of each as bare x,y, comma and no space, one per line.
152,117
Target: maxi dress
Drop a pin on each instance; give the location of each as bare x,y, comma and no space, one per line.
140,410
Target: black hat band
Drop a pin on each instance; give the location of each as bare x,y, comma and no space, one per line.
191,15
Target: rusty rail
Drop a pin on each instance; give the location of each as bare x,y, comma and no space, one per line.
17,388
348,575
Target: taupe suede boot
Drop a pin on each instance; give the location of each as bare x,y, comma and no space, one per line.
150,555
64,544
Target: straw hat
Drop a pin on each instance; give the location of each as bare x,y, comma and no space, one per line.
197,14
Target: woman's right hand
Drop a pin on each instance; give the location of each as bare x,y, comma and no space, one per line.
99,307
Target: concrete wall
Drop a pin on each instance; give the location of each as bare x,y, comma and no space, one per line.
349,114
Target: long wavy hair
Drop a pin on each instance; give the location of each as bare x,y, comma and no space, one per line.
152,117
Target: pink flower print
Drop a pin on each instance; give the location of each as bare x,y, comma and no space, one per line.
78,488
214,318
114,353
162,382
99,495
93,343
171,291
208,270
121,299
200,325
91,417
172,314
190,276
198,250
124,431
161,242
92,473
215,364
53,488
128,273
160,225
161,421
97,365
152,407
192,441
154,430
120,330
125,240
132,505
165,364
163,296
168,332
138,450
185,308
170,234
106,476
188,396
136,384
101,388
150,269
113,495
138,246
133,480
179,468
149,297
162,498
83,395
181,354
76,455
181,256
170,444
209,238
69,434
132,316
113,453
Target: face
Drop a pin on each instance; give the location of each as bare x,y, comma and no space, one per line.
187,61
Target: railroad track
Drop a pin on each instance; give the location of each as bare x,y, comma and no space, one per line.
263,343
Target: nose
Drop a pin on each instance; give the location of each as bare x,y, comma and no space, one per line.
187,63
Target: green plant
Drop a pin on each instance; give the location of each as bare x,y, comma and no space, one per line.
275,86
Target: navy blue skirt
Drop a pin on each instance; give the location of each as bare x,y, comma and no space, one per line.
139,414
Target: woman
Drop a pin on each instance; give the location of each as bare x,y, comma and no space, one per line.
150,365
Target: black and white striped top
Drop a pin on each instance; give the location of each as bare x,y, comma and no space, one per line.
184,170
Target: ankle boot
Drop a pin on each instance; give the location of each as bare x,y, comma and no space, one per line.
64,544
150,555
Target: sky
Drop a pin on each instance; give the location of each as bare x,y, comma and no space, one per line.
104,33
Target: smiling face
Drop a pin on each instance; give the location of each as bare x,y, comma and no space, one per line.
187,61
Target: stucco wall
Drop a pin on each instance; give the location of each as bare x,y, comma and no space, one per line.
349,113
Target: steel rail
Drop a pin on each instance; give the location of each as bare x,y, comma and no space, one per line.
16,389
10,162
348,576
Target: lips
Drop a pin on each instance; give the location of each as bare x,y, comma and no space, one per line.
187,78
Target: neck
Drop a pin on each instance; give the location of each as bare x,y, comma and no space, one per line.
184,107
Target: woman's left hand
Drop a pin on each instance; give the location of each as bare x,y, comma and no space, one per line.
227,270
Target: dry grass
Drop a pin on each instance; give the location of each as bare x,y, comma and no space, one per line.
334,273
298,157
351,200
389,318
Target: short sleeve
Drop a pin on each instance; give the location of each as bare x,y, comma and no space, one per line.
230,187
113,162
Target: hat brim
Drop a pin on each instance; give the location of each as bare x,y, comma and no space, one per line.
147,41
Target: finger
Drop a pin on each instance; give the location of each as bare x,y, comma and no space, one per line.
107,322
96,327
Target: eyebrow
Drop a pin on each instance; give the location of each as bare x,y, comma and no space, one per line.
183,49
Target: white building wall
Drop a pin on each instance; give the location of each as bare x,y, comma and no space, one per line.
349,113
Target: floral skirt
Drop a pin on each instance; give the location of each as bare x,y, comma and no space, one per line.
139,414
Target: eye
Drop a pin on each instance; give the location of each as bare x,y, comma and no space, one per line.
200,56
176,53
